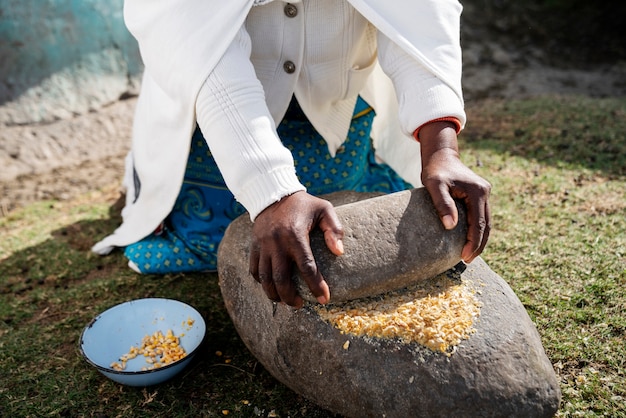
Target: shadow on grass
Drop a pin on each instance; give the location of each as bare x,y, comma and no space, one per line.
50,291
569,132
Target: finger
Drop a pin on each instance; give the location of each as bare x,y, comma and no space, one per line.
444,204
255,254
267,280
284,285
333,231
305,262
478,228
486,233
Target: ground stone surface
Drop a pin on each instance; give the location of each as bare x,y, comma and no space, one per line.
501,370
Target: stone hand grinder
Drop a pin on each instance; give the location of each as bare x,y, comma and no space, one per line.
390,242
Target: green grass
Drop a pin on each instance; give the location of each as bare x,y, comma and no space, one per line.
558,170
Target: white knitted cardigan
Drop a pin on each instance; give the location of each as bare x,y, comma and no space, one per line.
181,41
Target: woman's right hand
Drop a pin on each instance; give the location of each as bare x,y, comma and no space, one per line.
280,242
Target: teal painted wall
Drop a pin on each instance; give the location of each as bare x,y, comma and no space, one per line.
63,57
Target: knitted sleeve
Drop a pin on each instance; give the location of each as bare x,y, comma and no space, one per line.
241,134
422,96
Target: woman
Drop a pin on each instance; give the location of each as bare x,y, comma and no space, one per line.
278,91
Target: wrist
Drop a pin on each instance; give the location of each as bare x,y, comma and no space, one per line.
261,191
456,123
438,138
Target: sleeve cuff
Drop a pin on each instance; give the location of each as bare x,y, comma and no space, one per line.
451,119
268,188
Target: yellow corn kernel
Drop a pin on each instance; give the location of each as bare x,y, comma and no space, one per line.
157,349
437,314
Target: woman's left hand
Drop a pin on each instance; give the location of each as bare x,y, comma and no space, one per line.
446,178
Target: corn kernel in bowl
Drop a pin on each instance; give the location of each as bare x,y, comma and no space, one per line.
172,330
158,350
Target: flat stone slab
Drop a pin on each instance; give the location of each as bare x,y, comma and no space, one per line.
497,369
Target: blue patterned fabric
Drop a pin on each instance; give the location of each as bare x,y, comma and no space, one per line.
353,167
205,207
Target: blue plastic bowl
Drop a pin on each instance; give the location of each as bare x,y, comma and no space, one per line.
111,334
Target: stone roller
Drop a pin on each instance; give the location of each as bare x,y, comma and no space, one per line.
390,242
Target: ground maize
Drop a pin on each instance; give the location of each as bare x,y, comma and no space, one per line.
437,314
157,349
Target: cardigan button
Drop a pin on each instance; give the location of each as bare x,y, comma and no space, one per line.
289,67
291,10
